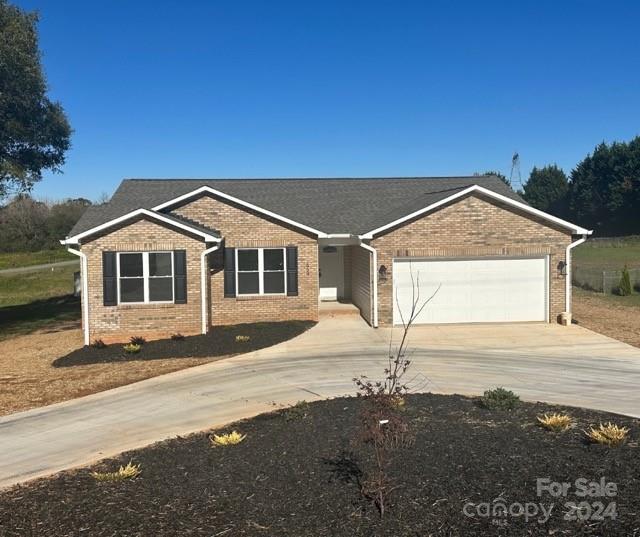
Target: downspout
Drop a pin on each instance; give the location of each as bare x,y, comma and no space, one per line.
203,282
85,292
375,281
567,289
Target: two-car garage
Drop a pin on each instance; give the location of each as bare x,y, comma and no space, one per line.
480,290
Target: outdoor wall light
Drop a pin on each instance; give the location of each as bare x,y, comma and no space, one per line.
562,268
382,273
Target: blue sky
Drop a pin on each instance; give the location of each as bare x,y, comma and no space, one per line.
334,88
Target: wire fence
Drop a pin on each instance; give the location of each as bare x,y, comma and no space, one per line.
603,281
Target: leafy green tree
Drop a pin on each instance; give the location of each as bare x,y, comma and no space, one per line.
34,131
547,189
605,189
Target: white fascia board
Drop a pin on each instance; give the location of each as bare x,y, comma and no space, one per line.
214,192
491,194
140,212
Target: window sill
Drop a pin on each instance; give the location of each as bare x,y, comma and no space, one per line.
242,298
142,305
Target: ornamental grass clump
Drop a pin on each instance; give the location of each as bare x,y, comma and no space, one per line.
132,348
608,434
98,344
499,399
137,340
555,422
229,439
124,472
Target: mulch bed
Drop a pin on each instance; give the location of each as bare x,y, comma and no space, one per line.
296,474
219,341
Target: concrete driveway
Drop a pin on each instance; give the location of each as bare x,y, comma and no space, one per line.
568,365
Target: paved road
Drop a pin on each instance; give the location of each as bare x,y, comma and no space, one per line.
568,365
32,268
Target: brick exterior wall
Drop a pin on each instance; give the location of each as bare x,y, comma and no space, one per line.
361,281
473,227
241,229
152,321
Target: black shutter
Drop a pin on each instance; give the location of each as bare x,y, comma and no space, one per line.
109,279
229,272
292,271
180,276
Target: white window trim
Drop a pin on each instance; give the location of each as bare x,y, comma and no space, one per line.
261,271
145,278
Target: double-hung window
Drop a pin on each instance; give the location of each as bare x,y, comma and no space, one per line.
145,277
261,271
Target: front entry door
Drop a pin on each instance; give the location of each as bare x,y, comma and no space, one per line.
331,272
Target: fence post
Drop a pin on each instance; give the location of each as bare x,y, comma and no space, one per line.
604,279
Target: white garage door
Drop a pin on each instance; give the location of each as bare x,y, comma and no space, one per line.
472,290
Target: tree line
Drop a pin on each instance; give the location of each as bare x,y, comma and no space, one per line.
601,193
28,225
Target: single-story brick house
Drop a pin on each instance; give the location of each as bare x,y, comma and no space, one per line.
168,256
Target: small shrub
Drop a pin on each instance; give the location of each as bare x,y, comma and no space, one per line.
229,439
608,434
124,472
98,344
132,348
398,402
624,287
177,337
138,340
499,399
298,411
555,422
242,339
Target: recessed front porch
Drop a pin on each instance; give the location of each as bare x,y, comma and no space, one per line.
344,275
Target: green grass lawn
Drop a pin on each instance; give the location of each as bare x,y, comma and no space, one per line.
32,300
25,259
608,255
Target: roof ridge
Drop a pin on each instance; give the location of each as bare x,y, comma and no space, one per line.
370,178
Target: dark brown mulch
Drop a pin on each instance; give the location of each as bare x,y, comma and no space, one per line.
219,341
296,475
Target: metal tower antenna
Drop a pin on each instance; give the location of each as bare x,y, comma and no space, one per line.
515,179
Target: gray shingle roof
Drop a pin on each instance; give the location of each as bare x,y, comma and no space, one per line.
350,205
193,224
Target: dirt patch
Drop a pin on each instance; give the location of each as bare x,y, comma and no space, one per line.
604,315
28,378
219,341
299,477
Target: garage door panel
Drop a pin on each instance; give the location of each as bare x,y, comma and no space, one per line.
473,290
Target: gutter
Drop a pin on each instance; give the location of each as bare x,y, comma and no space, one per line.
567,290
85,292
203,284
375,282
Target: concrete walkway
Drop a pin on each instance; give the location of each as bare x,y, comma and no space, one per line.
568,365
34,268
